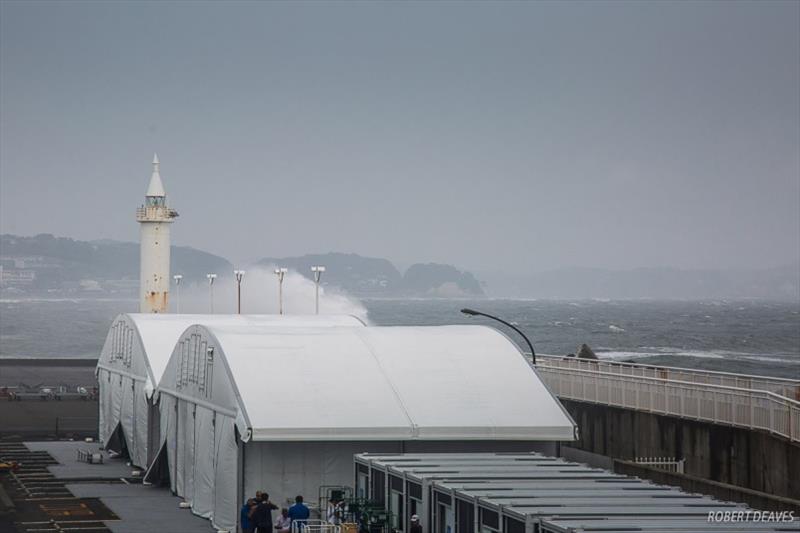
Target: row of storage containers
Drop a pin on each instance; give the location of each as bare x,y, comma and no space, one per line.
533,493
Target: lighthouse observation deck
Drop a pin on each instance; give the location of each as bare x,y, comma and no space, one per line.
157,213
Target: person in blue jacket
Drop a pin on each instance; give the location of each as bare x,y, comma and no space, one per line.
299,511
244,516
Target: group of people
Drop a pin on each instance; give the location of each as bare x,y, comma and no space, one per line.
256,515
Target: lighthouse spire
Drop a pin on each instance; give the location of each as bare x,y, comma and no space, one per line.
156,187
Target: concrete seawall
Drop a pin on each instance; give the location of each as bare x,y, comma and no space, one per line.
721,491
745,458
36,418
48,419
49,362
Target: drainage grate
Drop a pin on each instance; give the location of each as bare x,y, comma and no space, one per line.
62,526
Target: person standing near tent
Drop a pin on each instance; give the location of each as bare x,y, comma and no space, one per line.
244,516
415,525
299,511
334,515
261,516
284,523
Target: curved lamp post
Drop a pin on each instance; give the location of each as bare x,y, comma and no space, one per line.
472,312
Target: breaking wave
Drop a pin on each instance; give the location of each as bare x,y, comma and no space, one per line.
658,351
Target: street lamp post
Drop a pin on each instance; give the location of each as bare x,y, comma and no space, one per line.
211,278
239,276
472,312
280,272
317,270
178,278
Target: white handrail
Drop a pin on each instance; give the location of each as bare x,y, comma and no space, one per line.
790,388
719,404
669,464
311,525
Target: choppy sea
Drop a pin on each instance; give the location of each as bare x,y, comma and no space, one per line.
754,337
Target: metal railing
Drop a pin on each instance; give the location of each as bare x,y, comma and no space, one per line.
314,526
790,388
670,464
734,406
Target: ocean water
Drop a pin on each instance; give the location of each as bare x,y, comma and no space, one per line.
754,337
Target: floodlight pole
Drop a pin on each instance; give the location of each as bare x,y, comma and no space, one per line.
178,278
472,312
211,278
280,272
317,270
239,276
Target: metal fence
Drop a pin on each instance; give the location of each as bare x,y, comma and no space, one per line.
314,526
735,406
790,388
670,464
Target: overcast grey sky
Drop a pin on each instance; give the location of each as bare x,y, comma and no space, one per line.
503,136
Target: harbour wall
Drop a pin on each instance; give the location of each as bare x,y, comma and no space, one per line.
751,459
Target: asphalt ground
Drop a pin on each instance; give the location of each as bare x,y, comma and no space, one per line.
52,491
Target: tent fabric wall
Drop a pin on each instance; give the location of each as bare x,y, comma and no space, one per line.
202,454
286,469
116,395
154,440
184,449
141,412
225,476
105,408
127,414
169,434
205,441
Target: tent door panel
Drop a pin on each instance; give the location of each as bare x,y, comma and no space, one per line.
226,453
205,463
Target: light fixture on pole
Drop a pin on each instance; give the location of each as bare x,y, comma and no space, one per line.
178,278
211,278
280,272
472,312
317,270
239,276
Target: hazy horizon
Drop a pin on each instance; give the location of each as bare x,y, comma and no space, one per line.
497,137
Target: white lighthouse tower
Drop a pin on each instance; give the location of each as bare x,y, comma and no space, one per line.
155,218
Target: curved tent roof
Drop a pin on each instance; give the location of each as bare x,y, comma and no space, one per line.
378,383
158,332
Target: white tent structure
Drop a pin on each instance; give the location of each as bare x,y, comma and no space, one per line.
133,359
285,409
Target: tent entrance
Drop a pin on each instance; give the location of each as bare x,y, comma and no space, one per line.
117,442
158,471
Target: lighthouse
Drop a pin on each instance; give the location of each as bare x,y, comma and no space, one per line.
154,218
